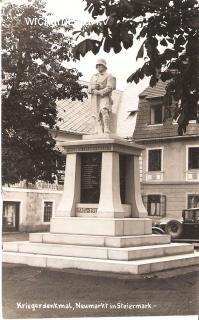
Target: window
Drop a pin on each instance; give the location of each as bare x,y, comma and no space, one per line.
48,209
193,201
193,158
155,160
156,114
155,204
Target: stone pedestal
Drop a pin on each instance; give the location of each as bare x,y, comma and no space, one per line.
111,148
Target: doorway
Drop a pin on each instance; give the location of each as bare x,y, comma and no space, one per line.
10,216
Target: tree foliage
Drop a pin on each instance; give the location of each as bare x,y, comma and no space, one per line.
168,34
33,79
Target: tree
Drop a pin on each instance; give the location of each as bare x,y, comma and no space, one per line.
33,79
168,34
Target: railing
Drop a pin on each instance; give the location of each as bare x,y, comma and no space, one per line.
37,185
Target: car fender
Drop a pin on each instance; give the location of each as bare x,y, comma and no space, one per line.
157,230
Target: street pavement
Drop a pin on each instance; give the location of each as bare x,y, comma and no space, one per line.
31,292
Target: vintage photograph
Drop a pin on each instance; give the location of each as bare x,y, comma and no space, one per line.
100,159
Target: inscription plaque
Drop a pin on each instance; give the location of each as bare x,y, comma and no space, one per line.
90,177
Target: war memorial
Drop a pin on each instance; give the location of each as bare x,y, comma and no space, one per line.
101,223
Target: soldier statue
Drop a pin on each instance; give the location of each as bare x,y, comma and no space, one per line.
101,86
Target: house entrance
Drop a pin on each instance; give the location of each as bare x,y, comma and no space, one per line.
10,216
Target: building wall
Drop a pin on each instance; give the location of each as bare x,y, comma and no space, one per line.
174,182
31,206
174,158
176,196
175,185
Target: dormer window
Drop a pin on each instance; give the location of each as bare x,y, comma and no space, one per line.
156,114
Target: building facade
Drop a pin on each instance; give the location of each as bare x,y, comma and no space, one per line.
170,163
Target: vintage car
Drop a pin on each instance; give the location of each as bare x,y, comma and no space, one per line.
187,227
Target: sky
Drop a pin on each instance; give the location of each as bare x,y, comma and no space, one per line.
121,65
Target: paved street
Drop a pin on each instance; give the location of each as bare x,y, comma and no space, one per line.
15,236
167,293
173,292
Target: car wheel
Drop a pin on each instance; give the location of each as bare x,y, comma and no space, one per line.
174,228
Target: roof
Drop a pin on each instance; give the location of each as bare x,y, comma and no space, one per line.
145,132
155,92
75,116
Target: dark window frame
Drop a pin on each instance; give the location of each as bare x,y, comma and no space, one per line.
156,114
152,164
46,214
193,164
160,211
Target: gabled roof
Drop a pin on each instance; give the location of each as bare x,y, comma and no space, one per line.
155,92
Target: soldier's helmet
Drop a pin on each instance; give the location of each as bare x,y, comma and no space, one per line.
101,61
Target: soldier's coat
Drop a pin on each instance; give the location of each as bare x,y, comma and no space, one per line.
106,83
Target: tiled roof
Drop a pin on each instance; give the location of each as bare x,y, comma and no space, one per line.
154,92
76,115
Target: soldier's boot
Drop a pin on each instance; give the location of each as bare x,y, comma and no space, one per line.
106,120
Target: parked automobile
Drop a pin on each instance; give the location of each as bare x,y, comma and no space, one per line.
186,227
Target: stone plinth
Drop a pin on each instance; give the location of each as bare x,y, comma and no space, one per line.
101,226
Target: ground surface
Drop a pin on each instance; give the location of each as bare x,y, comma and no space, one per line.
174,295
15,236
66,293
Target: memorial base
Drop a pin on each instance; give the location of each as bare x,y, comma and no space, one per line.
123,254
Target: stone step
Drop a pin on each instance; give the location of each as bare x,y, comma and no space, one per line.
88,240
131,267
131,253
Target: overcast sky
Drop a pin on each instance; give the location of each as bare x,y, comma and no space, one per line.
121,65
